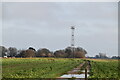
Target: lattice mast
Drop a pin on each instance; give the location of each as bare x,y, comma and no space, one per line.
72,36
72,41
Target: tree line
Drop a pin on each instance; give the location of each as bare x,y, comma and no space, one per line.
69,52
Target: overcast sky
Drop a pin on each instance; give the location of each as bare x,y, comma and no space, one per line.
47,25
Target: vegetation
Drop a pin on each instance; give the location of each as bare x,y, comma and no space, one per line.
55,67
104,69
37,67
60,62
71,52
68,52
12,51
3,50
44,53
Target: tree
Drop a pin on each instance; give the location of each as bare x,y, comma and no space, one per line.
60,53
97,56
115,57
49,55
40,54
29,53
80,52
21,53
3,51
44,53
26,53
32,48
12,51
71,52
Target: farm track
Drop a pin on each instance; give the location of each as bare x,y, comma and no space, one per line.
78,70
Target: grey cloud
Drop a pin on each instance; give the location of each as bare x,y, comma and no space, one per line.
48,25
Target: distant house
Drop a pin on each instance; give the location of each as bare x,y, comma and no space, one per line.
102,55
5,56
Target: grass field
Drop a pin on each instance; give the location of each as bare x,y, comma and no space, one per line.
55,67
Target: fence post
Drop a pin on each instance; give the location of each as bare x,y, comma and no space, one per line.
85,73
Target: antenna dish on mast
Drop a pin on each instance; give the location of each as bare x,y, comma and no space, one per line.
72,36
72,27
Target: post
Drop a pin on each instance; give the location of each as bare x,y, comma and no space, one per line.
85,73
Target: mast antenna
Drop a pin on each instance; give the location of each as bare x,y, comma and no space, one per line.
72,36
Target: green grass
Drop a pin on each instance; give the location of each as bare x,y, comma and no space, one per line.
104,69
37,67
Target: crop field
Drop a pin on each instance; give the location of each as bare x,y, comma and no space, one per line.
37,67
55,67
104,69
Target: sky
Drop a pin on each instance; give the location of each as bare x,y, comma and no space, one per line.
47,25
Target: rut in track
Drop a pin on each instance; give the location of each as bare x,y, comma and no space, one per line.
80,70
